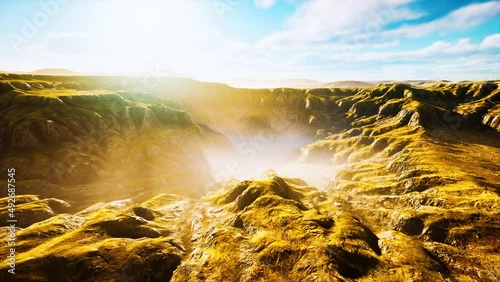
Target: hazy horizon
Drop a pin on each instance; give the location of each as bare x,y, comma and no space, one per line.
256,83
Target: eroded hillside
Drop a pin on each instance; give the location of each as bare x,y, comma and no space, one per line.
111,171
65,141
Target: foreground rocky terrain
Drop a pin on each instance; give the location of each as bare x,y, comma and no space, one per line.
115,181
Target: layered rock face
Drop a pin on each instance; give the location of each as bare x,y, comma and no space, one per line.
66,141
424,163
413,190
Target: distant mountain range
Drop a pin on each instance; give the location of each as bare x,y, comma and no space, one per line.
309,83
274,83
55,71
47,71
255,83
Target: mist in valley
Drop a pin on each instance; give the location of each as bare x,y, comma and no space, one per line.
253,155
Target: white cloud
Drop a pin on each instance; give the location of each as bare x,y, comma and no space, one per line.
491,42
70,43
310,36
205,54
321,21
306,58
460,19
436,50
322,24
264,4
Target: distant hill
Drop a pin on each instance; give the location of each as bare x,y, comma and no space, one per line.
274,83
310,83
55,71
348,84
418,83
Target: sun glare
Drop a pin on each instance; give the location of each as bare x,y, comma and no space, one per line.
152,31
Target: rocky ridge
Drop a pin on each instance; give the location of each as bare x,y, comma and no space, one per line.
414,195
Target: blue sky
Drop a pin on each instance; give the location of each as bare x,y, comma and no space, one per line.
326,40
